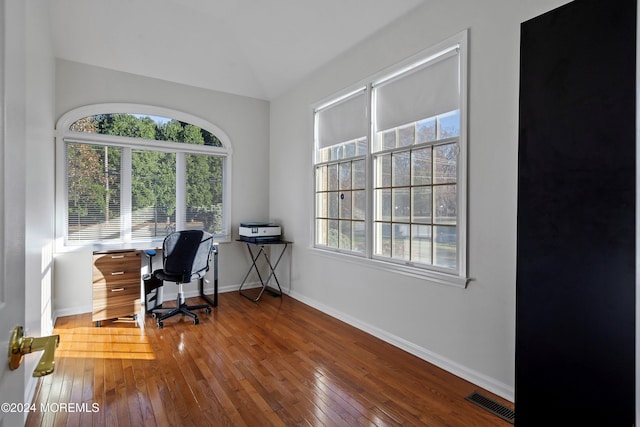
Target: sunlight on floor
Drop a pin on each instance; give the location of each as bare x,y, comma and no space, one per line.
110,342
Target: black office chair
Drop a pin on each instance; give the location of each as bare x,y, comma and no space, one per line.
185,257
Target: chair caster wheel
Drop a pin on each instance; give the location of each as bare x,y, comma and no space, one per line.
208,310
135,317
196,321
154,315
160,324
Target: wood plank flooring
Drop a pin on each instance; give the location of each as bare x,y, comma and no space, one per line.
276,362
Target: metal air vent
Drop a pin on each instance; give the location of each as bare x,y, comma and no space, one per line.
492,406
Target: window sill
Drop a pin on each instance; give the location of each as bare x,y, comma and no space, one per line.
406,270
105,246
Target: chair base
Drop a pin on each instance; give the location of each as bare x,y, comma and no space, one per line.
182,308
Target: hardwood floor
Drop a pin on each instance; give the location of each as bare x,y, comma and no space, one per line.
276,362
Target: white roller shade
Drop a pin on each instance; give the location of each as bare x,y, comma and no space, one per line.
419,93
343,121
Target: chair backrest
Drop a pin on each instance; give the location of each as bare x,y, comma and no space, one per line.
186,253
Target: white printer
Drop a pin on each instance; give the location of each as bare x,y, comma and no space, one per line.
257,232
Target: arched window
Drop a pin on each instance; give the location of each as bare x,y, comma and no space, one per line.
131,174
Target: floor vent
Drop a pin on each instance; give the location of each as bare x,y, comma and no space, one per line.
492,406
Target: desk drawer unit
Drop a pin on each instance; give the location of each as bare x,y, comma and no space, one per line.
116,284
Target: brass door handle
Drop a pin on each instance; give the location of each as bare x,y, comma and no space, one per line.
19,345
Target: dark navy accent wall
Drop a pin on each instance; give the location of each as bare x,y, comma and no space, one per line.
575,285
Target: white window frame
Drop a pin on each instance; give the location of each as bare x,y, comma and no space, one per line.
64,135
456,277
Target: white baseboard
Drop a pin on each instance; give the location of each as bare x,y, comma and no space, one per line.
71,311
167,297
481,380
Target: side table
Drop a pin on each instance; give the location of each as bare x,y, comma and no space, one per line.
272,267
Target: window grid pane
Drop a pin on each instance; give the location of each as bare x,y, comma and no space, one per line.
400,172
321,178
344,177
332,176
344,242
321,232
340,209
416,194
358,242
333,234
346,150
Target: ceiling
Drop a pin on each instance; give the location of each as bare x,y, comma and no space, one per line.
256,48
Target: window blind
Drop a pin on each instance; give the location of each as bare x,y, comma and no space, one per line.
342,121
419,93
93,192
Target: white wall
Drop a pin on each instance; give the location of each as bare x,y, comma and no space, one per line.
244,120
470,332
39,168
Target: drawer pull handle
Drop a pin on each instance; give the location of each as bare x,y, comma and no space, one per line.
117,290
117,273
117,256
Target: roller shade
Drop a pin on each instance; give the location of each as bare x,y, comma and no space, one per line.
343,121
420,93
